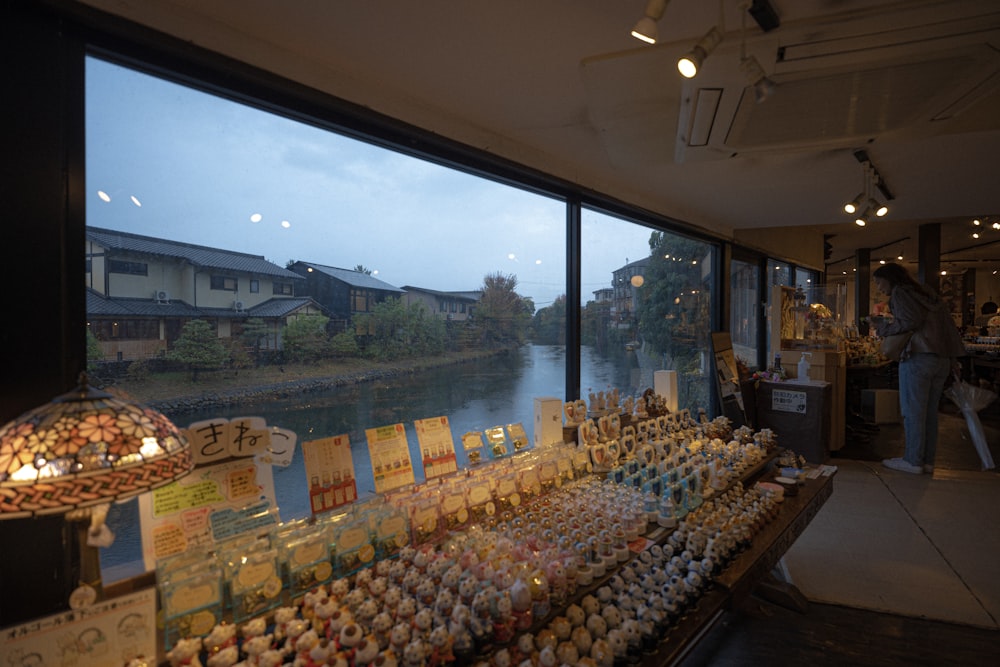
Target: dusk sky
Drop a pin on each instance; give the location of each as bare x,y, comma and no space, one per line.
200,167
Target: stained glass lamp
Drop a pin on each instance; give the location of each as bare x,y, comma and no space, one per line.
85,448
82,450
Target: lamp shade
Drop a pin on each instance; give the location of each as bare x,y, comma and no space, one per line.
84,448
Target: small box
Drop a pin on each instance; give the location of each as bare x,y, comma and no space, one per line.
665,385
548,421
880,406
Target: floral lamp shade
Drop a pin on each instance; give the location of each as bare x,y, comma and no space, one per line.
85,448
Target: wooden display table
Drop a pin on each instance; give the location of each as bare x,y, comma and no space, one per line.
744,573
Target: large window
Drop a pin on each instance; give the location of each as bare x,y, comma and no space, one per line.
248,193
646,299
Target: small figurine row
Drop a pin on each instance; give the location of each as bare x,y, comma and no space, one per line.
601,403
636,607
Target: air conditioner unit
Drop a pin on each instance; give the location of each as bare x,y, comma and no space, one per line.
239,306
161,296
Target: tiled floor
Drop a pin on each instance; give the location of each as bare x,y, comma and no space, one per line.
915,545
898,569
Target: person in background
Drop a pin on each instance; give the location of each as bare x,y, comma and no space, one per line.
924,365
988,310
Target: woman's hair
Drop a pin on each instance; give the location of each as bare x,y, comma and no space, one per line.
896,275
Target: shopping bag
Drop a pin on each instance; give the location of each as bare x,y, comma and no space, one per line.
893,345
970,399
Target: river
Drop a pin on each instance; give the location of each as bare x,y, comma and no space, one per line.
474,396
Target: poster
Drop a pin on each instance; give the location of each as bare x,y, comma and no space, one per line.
437,448
728,379
213,503
390,455
330,473
105,634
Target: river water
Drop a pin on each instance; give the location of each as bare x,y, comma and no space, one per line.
474,396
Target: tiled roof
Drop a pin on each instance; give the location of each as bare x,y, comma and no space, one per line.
471,297
352,278
282,307
98,304
203,256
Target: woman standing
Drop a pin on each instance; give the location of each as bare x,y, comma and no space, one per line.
924,364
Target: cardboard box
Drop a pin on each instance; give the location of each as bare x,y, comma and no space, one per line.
548,421
880,406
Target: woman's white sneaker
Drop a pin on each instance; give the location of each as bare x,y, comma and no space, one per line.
903,466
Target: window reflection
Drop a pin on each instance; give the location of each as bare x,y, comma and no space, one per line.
646,307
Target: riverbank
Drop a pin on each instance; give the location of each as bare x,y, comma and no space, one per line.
177,393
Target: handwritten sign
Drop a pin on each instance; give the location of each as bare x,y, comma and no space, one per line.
217,439
785,400
183,514
105,634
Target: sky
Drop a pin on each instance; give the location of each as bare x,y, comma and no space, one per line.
201,169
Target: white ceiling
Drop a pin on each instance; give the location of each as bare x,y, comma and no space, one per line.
561,86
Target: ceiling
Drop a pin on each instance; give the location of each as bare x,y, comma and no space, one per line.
561,86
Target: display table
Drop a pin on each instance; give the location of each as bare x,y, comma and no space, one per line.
745,572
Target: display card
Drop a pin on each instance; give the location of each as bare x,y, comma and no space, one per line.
437,448
390,455
213,503
330,473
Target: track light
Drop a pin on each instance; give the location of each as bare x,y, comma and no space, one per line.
645,29
852,206
756,77
689,64
864,218
878,209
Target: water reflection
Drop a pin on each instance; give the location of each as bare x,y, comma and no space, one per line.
475,396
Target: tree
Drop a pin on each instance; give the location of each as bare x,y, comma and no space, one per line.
549,323
673,304
398,330
199,348
502,314
253,336
94,352
305,338
361,268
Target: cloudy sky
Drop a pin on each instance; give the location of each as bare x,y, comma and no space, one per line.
211,172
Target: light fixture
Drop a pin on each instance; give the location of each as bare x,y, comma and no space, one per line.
645,28
872,183
763,86
755,75
77,454
878,209
690,63
853,205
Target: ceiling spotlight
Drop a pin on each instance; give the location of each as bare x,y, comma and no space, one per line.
756,77
645,29
879,209
863,219
996,225
976,222
853,205
975,235
689,64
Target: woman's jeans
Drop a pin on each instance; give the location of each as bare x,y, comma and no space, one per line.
921,382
